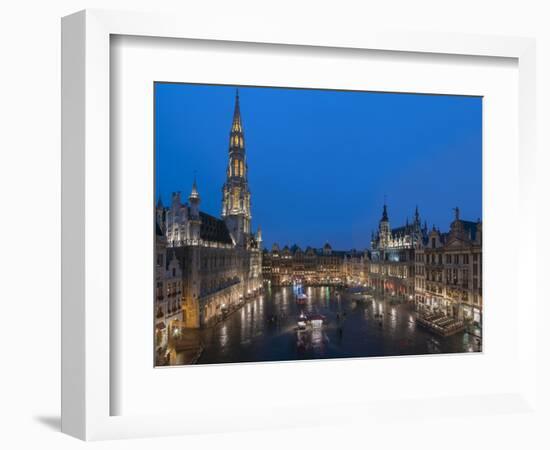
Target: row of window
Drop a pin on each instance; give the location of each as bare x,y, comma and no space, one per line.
218,262
237,141
237,168
434,258
172,289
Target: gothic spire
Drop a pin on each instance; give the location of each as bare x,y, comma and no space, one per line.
237,127
236,195
457,212
385,214
194,190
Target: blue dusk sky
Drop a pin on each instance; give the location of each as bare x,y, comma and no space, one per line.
321,162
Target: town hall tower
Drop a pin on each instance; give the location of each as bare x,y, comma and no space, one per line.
236,195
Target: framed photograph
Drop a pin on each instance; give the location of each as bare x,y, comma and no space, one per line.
249,209
227,291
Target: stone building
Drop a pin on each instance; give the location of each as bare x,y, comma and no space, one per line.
355,267
312,266
215,263
450,271
168,291
391,266
420,273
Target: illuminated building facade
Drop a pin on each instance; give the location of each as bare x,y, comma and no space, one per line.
312,266
391,266
168,289
449,268
208,266
355,267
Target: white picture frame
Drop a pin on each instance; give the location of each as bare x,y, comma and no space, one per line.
86,216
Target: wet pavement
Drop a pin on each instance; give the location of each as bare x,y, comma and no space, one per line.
353,329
